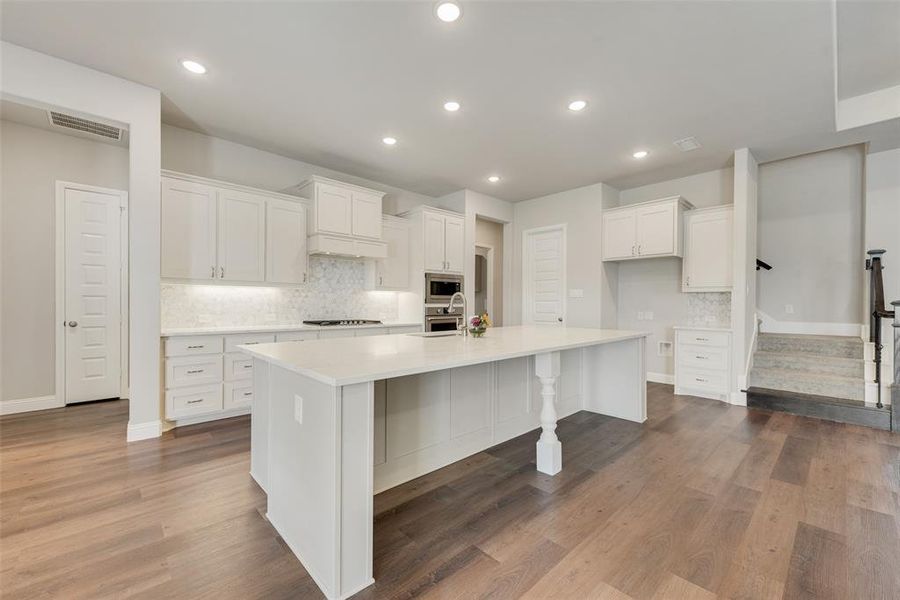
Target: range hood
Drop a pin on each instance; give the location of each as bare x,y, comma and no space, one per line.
337,245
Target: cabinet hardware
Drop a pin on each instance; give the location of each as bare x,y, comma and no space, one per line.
380,280
195,371
701,380
304,278
195,401
702,339
196,347
688,282
73,323
632,249
639,248
248,394
700,357
251,343
212,271
247,367
222,272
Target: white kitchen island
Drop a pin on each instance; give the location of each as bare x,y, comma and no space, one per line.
336,421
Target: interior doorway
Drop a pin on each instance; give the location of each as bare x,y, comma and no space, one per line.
91,294
484,280
544,276
488,271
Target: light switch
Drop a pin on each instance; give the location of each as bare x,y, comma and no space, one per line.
789,309
298,409
648,315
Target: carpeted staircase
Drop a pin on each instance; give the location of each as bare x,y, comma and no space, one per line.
814,375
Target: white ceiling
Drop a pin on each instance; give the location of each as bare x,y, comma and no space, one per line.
868,39
323,82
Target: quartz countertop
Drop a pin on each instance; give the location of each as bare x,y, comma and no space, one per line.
215,329
704,327
346,361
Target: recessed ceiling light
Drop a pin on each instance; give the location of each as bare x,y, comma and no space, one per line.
451,106
576,105
448,11
494,178
640,154
389,141
194,67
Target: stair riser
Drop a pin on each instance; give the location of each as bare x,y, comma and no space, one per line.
841,414
823,387
810,365
790,346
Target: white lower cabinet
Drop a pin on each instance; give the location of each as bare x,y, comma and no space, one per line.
703,362
208,377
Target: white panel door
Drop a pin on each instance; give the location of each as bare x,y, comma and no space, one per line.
656,229
188,230
366,215
393,272
454,244
242,236
334,212
617,235
286,253
544,277
92,295
434,242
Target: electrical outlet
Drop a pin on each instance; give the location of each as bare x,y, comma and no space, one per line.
298,409
788,309
664,348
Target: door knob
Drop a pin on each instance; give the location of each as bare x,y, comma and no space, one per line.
72,323
559,319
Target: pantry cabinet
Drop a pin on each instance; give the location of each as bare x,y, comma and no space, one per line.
646,230
708,252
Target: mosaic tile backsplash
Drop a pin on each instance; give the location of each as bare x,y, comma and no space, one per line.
336,288
709,309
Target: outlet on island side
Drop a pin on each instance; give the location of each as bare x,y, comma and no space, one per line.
298,409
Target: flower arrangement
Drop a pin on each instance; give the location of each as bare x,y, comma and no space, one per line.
478,324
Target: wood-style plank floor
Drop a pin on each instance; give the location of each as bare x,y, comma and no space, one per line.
703,501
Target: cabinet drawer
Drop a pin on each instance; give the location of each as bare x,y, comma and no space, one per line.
197,400
188,346
296,336
704,338
703,357
247,339
238,366
715,381
238,395
193,370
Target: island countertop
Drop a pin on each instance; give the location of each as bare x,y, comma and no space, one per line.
347,361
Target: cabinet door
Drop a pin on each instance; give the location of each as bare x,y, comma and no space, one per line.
618,235
334,212
454,244
393,272
188,230
286,256
708,252
242,236
434,242
656,229
366,209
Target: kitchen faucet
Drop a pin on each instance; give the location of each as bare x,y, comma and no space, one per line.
450,306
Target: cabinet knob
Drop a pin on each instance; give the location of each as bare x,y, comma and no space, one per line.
212,271
559,319
72,323
222,272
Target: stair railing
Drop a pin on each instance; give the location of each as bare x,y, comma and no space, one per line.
877,311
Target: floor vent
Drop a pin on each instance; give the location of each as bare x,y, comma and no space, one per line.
85,125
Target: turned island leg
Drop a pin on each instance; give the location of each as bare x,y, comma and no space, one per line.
549,448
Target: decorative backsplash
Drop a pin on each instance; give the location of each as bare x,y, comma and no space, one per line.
709,309
336,288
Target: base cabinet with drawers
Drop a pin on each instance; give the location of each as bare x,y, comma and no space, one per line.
208,377
703,362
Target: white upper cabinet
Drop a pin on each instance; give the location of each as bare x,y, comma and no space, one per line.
454,244
392,272
434,230
287,260
333,209
366,210
645,230
242,236
188,230
708,252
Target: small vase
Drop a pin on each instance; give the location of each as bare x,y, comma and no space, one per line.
477,331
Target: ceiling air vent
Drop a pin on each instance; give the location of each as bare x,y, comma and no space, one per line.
85,125
687,144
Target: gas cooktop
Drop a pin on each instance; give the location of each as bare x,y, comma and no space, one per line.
331,322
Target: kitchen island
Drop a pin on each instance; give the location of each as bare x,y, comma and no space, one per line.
336,421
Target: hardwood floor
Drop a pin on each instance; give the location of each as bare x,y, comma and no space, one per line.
703,501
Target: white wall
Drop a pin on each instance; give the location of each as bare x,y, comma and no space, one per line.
198,154
33,160
811,232
44,80
654,285
580,210
743,292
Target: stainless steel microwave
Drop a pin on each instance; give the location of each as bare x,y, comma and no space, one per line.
440,287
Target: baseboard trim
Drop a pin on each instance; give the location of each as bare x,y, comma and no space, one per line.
236,412
143,431
661,378
21,405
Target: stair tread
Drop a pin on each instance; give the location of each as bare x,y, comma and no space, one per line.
814,337
816,398
810,355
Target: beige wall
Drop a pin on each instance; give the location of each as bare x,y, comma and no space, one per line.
489,233
32,161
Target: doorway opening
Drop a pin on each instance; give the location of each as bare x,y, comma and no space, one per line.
488,269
